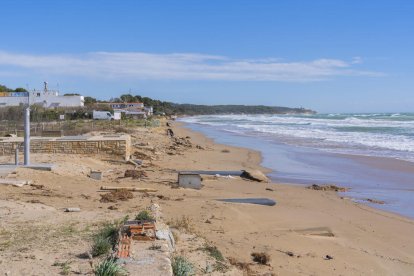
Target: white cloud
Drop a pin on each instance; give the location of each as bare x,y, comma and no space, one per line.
181,66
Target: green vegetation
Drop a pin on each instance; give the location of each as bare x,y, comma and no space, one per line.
105,239
170,108
109,267
144,215
181,266
213,252
101,246
65,266
4,88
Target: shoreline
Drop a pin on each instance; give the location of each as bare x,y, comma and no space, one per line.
308,222
368,178
259,165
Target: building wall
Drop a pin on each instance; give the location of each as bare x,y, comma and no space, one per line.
45,99
113,146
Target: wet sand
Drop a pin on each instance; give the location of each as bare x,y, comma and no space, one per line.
374,178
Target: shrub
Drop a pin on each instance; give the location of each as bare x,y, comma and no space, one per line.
261,258
110,267
182,267
105,239
213,252
101,246
144,215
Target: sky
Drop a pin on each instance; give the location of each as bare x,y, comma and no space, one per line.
330,56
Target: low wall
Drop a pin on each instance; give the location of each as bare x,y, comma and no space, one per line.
114,145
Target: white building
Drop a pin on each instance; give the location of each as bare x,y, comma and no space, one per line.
46,98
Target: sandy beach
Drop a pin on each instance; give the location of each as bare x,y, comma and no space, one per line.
307,232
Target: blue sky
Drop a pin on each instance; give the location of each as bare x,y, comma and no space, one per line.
331,56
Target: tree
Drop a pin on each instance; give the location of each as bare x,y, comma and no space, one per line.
128,98
20,89
89,100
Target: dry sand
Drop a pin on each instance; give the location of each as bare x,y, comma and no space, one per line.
298,232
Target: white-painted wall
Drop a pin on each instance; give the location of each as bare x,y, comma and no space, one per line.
47,99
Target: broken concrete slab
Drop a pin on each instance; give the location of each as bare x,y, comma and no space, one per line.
15,182
259,201
189,180
97,175
232,173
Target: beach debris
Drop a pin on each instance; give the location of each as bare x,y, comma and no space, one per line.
170,132
142,156
269,189
328,257
200,147
330,187
232,173
255,175
15,182
135,174
162,197
72,209
130,189
224,176
375,201
34,201
261,258
316,231
113,208
97,175
189,180
114,196
37,186
259,201
85,196
135,162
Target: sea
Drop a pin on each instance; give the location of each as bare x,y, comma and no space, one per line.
372,154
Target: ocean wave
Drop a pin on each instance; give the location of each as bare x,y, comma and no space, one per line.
382,133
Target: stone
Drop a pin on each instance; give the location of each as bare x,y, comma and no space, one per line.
255,175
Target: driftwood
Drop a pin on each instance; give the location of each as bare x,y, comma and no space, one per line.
132,189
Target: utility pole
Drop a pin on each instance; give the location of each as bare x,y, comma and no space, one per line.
27,133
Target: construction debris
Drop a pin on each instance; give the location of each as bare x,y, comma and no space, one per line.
327,188
189,180
135,174
114,196
72,209
259,201
130,189
15,182
97,175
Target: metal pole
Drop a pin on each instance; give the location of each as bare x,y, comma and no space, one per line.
27,136
16,156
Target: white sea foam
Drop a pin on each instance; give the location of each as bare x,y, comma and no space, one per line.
374,134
